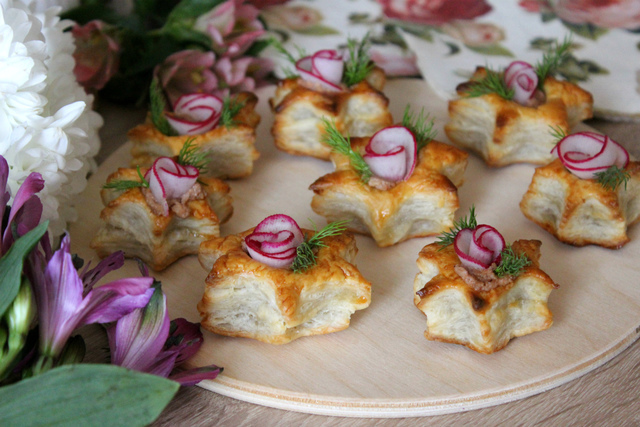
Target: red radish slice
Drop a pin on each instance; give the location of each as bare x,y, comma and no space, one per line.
391,153
170,180
274,241
324,68
480,247
195,113
522,78
586,153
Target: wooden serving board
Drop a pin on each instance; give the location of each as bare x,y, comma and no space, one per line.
382,366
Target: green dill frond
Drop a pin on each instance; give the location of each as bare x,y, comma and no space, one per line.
493,82
420,125
511,264
557,132
230,108
334,139
613,177
359,64
157,107
301,53
552,59
471,222
306,251
192,155
125,184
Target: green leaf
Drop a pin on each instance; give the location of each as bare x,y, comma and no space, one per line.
548,16
318,30
494,49
86,395
191,9
588,30
453,48
11,265
424,33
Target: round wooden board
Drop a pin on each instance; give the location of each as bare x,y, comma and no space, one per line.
382,366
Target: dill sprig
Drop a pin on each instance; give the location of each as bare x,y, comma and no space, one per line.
611,178
192,155
230,108
552,59
359,64
492,82
301,53
471,222
557,132
511,264
420,125
126,184
334,139
158,105
306,251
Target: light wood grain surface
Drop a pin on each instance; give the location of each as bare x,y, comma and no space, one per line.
606,396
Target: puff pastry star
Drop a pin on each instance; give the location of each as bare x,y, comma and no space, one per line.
246,298
423,205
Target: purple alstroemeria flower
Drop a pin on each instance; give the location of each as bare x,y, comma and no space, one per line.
26,210
65,303
145,340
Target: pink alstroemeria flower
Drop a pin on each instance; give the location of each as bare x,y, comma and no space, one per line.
145,340
97,54
65,303
26,210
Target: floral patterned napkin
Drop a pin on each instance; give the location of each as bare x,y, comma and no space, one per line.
446,40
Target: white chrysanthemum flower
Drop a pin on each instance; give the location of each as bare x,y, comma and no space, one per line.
46,121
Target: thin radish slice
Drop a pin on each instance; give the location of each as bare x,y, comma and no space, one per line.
480,247
324,68
586,153
391,153
274,241
195,113
170,180
522,78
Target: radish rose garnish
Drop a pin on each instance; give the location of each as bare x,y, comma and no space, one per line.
587,153
274,241
170,180
324,68
195,114
522,78
391,153
480,247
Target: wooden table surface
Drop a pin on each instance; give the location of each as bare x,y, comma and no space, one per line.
608,395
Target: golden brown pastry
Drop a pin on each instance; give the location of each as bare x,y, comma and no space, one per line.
503,132
423,205
246,298
360,110
131,225
581,211
231,149
486,320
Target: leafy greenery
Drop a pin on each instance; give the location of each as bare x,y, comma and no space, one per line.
306,251
85,395
511,264
157,107
470,222
230,108
492,82
359,64
126,184
557,132
290,73
333,138
420,125
611,178
552,59
192,155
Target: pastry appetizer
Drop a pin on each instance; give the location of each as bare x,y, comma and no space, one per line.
504,117
589,195
277,282
346,91
161,214
396,185
479,292
224,129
